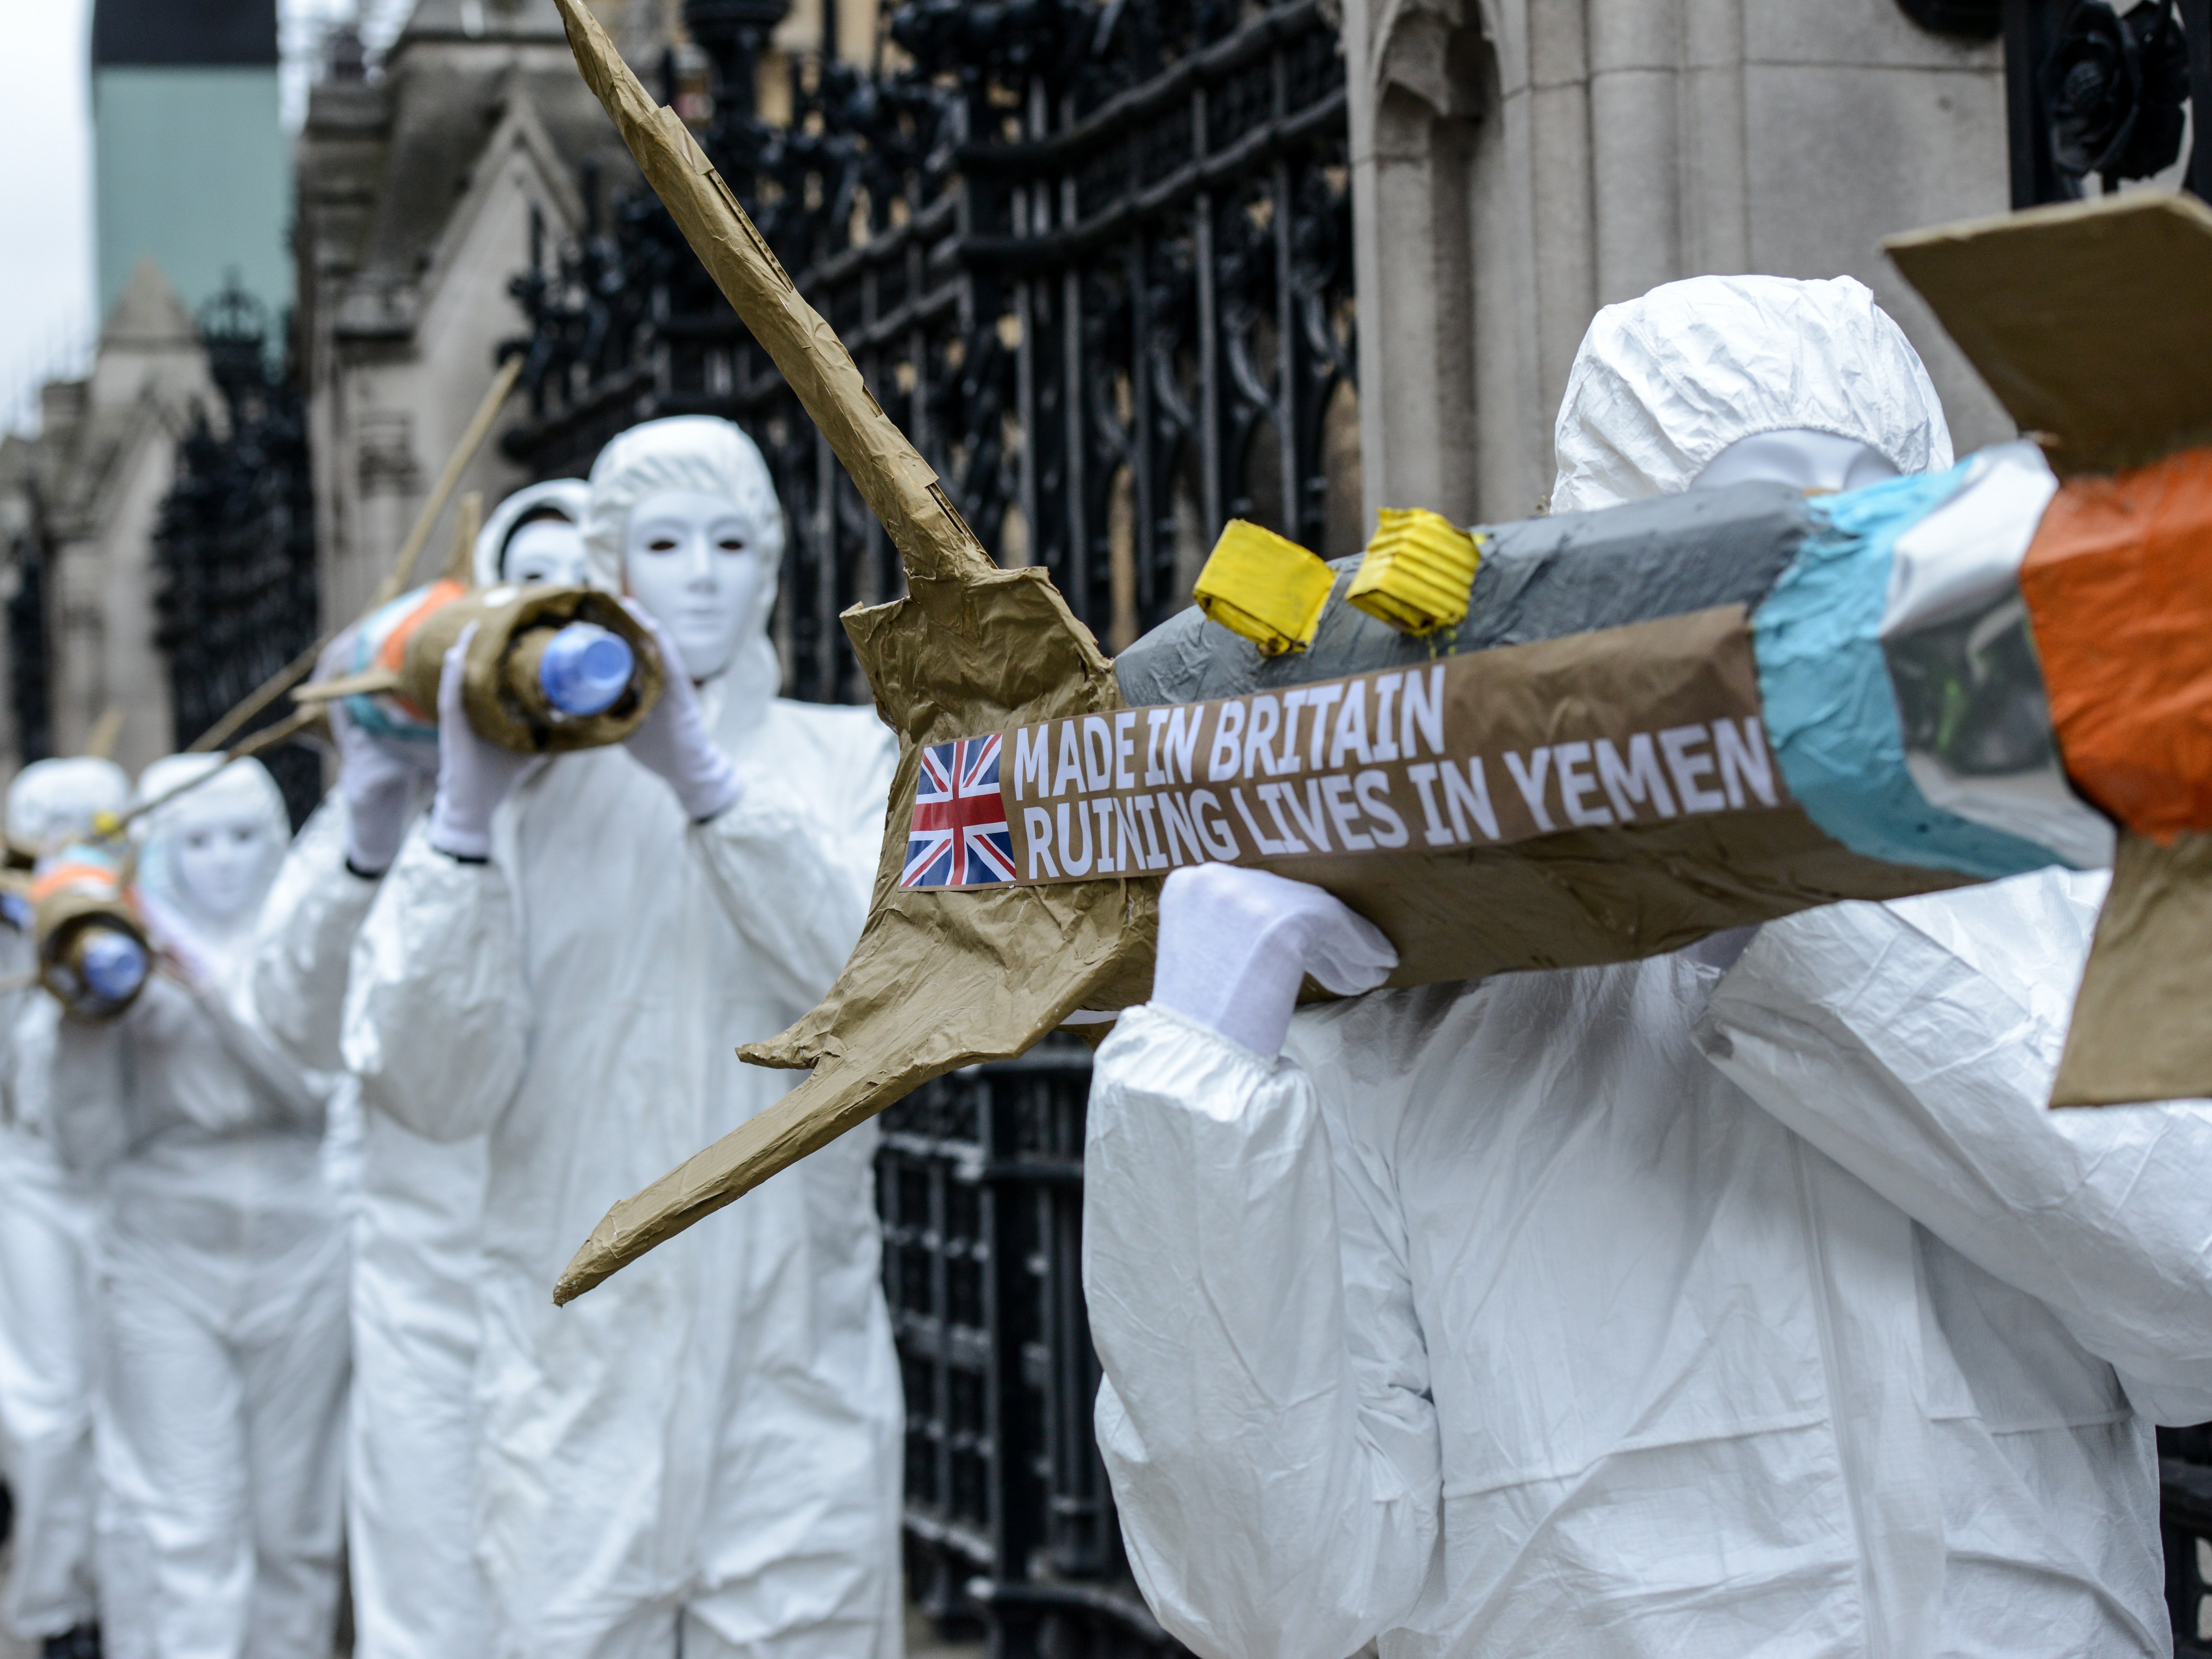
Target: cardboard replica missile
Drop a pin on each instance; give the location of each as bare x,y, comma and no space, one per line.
89,939
548,670
1649,724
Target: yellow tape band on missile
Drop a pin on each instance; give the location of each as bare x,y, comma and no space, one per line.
1416,573
1263,587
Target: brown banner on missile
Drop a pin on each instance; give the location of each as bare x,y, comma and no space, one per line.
1637,725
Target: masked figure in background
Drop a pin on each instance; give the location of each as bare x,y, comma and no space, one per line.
45,1226
222,1260
536,535
417,1592
1641,1310
702,1455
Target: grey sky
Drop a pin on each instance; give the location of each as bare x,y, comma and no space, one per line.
45,198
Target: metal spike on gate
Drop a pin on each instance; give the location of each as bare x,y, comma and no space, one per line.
971,648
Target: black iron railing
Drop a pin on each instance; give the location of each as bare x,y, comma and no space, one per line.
235,548
1009,1520
2096,95
1095,259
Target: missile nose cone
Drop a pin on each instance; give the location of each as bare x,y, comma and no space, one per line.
114,965
586,669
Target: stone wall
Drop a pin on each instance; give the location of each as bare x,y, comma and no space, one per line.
93,481
1518,163
420,194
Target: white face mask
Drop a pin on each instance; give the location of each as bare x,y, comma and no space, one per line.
545,550
1818,463
221,853
688,558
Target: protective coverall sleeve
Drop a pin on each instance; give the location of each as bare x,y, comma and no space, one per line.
1915,1044
1266,1418
248,1042
308,924
780,875
436,1018
87,1097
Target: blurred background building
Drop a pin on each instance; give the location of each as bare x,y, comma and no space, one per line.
189,162
424,190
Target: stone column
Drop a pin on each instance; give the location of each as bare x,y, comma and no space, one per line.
1517,163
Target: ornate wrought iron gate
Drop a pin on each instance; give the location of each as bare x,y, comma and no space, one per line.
1096,259
2096,93
236,544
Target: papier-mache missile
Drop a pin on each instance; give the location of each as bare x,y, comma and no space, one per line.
1643,726
549,669
89,941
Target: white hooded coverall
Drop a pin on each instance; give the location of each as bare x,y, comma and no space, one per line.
410,1450
1531,1316
221,1262
412,1445
46,1230
711,1440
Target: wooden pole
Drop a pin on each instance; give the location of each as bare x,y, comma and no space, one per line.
268,736
395,580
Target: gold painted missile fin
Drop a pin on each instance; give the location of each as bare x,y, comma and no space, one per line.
367,683
891,476
971,648
2139,1031
2087,320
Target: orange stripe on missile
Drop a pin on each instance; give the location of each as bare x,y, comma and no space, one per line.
393,654
2119,584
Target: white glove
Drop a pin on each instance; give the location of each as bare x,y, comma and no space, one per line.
377,779
674,741
473,775
1235,945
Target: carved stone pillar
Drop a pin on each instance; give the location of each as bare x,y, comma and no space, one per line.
1517,163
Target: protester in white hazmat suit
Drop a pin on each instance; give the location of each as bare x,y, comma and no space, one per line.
410,1454
45,1224
704,1454
536,535
1649,1309
221,1256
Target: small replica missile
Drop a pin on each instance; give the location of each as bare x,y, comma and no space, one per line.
91,946
1643,726
549,669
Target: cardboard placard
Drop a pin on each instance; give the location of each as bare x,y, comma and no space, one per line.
1628,725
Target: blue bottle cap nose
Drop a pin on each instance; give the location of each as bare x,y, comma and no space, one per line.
586,669
114,965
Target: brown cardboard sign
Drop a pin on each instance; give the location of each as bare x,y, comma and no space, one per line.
1630,726
2139,1031
2087,318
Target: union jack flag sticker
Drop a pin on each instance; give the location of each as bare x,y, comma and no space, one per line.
960,837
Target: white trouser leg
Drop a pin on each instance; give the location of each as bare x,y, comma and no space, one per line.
294,1362
45,1414
173,1457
